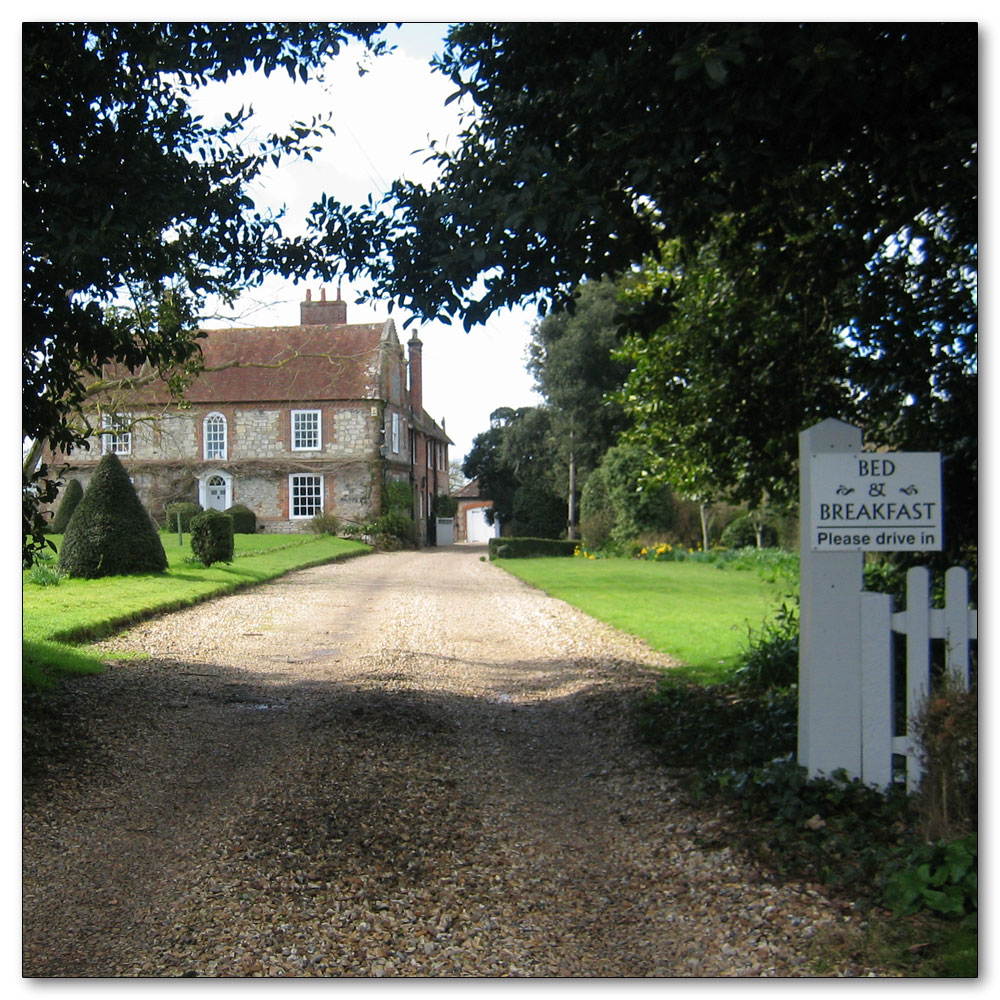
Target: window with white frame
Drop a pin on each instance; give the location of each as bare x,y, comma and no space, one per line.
214,430
305,495
395,433
117,439
306,430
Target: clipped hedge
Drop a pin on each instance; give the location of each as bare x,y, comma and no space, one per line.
244,519
212,537
526,548
110,532
72,494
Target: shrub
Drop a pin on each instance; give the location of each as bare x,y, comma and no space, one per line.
538,512
397,496
244,519
324,524
941,877
638,505
187,509
618,504
212,537
72,495
596,517
526,548
395,524
110,532
771,659
946,731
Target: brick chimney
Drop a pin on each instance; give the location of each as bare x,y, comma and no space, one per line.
322,312
416,375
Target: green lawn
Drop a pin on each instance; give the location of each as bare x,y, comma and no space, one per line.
698,612
54,617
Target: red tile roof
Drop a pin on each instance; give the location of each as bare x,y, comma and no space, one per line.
276,364
290,362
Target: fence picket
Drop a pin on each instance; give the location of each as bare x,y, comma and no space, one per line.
918,657
957,622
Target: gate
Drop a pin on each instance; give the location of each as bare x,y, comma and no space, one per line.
956,624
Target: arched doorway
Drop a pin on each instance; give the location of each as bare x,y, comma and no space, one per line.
215,491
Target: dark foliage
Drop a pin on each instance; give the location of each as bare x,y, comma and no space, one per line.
526,548
212,537
72,494
831,168
244,519
111,533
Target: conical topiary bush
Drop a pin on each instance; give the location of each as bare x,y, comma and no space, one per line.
72,494
110,533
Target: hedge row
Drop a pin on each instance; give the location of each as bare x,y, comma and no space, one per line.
525,548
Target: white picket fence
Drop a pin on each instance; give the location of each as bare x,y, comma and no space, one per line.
956,624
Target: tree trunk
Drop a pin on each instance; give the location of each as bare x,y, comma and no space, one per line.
571,527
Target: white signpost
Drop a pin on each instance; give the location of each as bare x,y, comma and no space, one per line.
852,502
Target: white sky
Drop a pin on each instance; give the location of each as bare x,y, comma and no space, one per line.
380,120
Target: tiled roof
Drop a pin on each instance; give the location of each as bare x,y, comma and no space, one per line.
469,491
309,363
290,362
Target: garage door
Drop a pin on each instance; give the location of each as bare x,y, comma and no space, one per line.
478,529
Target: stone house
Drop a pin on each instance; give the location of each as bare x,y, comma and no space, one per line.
288,421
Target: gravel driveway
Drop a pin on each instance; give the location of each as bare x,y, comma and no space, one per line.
407,764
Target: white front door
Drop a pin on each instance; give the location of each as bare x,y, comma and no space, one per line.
216,493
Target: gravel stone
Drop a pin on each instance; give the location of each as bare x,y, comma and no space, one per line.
405,765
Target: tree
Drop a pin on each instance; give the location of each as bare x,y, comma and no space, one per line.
637,504
517,468
110,532
714,436
456,476
588,144
135,211
835,164
571,358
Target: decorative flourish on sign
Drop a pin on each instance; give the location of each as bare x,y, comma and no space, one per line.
909,490
844,491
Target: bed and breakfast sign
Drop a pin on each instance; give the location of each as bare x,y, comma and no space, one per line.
876,502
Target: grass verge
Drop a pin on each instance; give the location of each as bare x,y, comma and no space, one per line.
56,617
698,613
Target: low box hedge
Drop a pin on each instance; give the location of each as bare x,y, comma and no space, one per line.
526,548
